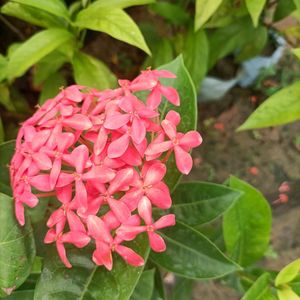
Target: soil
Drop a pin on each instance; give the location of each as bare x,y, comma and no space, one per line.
264,158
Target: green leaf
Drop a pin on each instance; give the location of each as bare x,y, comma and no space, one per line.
159,290
51,86
31,15
183,289
287,293
192,255
260,289
283,9
21,295
114,22
3,65
255,8
48,65
296,52
119,3
17,249
92,72
204,10
281,108
2,135
85,280
55,7
195,53
162,53
247,225
171,12
35,48
5,97
7,150
288,273
233,37
197,203
188,109
255,45
144,288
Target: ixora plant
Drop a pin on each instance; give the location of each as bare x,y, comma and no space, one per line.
92,185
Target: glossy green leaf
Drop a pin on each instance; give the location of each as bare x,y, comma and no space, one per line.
255,44
144,288
281,108
287,293
288,273
51,86
17,249
7,150
86,281
55,7
255,8
247,225
188,109
2,135
159,289
195,54
48,65
92,72
204,10
183,289
119,3
114,22
31,15
35,48
21,295
260,289
197,203
171,12
232,37
192,255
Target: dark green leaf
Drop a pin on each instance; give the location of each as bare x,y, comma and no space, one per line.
196,203
21,295
2,135
283,9
255,45
232,38
17,249
34,49
171,12
92,72
3,66
5,97
48,66
195,53
190,254
162,53
281,108
144,288
7,150
188,109
114,22
204,10
55,7
31,15
86,281
255,8
159,290
247,225
260,289
51,86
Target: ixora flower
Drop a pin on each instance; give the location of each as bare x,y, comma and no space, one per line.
102,156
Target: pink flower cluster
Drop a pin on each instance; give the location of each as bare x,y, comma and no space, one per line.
102,154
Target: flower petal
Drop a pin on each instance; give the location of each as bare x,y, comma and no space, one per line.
98,229
118,147
78,122
102,256
159,197
74,222
116,121
184,161
41,182
79,157
157,243
165,221
54,173
169,129
154,98
138,131
62,254
131,257
145,210
155,173
191,139
77,238
120,209
171,94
